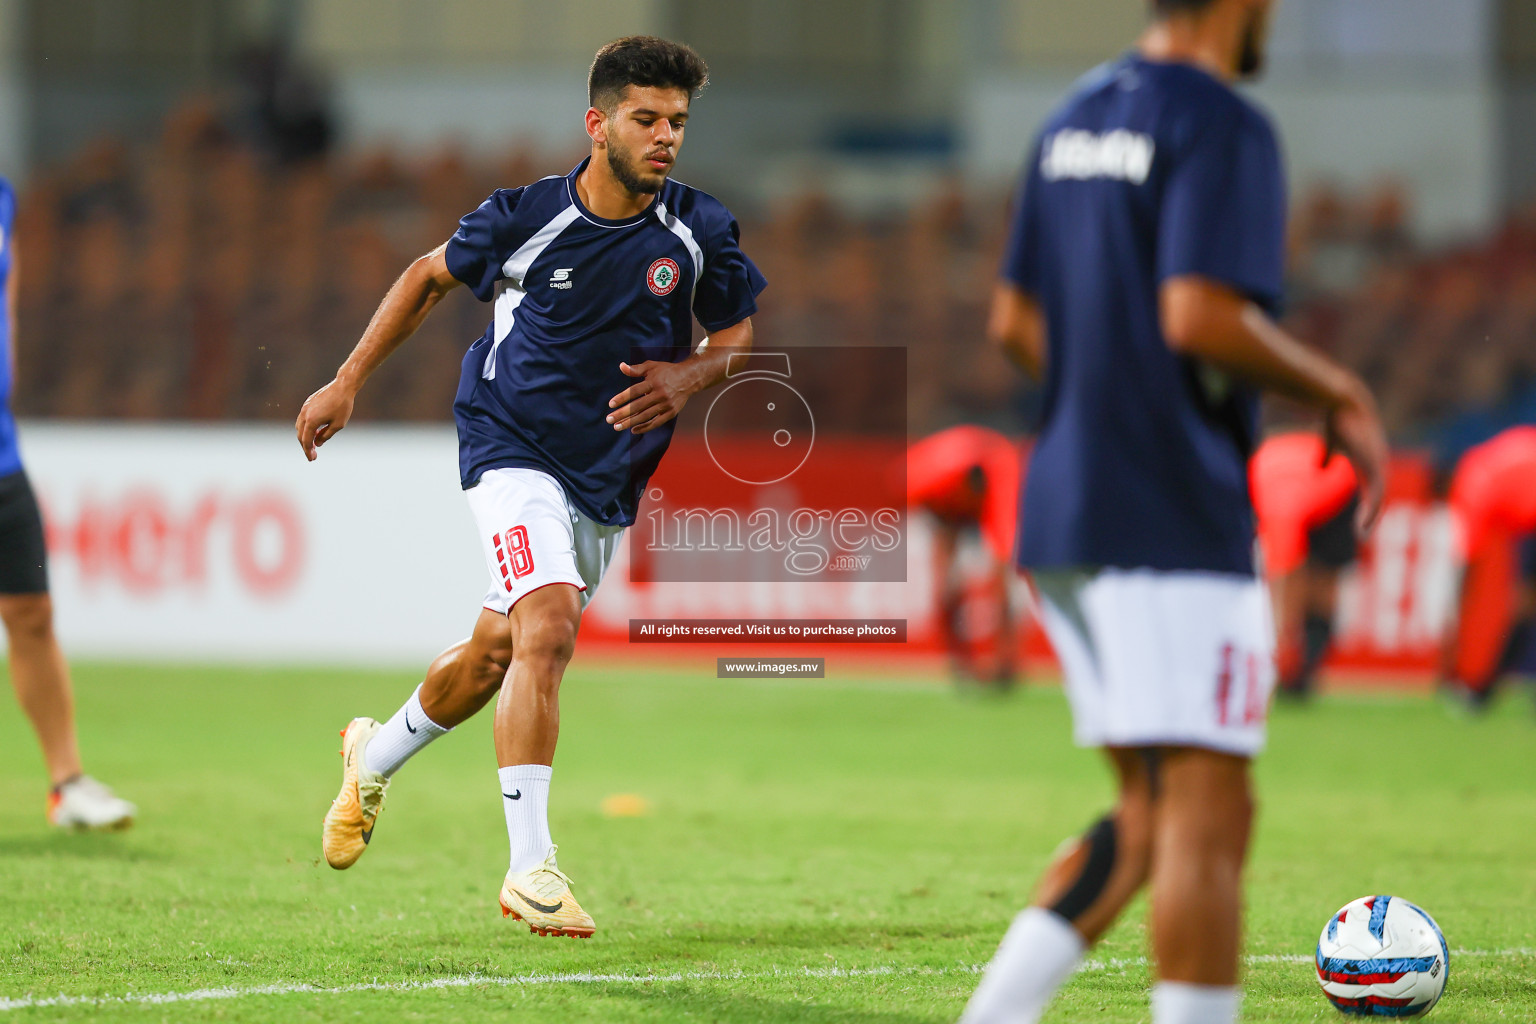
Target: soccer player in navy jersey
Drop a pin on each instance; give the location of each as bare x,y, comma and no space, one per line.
564,409
1142,279
39,672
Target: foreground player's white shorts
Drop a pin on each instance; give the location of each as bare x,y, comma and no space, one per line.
533,536
1162,658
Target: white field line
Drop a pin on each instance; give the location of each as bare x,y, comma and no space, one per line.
589,978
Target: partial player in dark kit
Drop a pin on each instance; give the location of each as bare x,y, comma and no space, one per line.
1142,279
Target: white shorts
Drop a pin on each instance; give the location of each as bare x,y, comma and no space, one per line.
1162,658
533,536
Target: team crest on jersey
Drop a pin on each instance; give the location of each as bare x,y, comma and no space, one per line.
662,277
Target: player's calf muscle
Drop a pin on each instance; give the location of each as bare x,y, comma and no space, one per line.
28,617
1094,877
1204,816
461,681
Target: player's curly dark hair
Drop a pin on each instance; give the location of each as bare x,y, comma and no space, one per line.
643,61
1163,7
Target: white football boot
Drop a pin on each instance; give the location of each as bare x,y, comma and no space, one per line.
82,802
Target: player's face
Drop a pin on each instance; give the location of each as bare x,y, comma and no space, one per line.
1251,61
643,135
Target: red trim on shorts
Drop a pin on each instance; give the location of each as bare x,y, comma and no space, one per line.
541,586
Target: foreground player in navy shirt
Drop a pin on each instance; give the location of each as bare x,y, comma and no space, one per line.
1143,274
564,409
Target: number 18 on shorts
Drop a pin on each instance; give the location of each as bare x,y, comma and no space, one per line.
514,556
533,537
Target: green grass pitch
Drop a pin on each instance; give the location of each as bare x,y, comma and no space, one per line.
848,849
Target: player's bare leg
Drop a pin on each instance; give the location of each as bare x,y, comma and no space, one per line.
1080,895
1005,672
459,683
1071,886
1204,818
41,679
949,597
465,677
1287,605
543,633
544,625
1315,597
40,676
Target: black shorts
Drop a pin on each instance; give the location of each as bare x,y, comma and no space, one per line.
23,550
1332,545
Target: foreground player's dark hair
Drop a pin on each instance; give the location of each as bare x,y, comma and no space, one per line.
1170,6
643,61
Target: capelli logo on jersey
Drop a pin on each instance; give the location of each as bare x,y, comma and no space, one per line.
561,279
1120,155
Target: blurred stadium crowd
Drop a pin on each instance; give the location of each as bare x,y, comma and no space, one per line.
202,274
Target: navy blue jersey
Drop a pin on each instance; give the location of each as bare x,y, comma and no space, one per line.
575,295
1148,171
10,457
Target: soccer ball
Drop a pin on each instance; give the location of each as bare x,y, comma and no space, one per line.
1382,956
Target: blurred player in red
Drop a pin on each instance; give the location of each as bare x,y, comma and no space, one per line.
1493,496
968,477
1305,503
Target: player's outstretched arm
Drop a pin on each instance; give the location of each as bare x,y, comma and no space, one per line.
1017,327
1210,321
405,306
664,388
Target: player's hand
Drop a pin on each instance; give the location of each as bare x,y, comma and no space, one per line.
323,416
1354,429
663,390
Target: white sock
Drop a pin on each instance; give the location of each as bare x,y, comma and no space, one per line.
398,740
525,799
1040,951
1178,1002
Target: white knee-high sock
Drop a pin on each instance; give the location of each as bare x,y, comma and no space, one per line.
1039,953
1178,1002
400,738
525,799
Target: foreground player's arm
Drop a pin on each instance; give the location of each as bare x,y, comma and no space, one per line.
664,388
1017,327
1212,322
404,308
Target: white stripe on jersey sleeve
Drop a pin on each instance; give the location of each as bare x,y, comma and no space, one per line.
682,231
514,270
